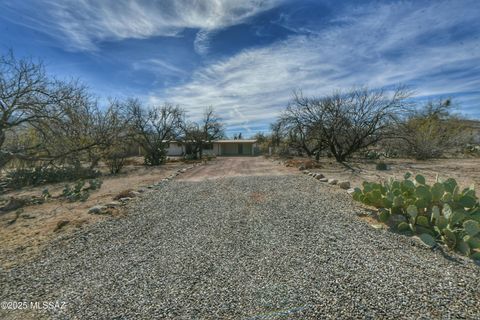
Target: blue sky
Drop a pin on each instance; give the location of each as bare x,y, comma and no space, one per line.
246,57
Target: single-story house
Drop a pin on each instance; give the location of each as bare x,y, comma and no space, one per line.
239,147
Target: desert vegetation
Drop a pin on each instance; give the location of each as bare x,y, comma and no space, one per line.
442,212
53,130
370,130
59,144
372,124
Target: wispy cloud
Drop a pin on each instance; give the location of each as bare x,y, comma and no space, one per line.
201,43
159,66
376,46
81,24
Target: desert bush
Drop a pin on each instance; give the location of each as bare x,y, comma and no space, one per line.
20,178
190,157
78,192
372,155
472,150
430,132
115,159
441,212
381,166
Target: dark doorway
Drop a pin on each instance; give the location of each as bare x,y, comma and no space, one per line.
240,148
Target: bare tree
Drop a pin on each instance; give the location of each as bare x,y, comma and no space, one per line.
350,121
46,119
299,134
198,135
153,128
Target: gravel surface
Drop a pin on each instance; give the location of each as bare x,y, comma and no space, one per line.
265,247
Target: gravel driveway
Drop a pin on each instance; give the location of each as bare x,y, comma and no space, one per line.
254,247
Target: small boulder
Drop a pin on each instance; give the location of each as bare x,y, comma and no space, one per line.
323,180
126,199
351,190
306,172
344,185
113,204
301,167
96,210
319,176
332,181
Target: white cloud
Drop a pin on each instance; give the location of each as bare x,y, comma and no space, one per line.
201,43
377,46
80,24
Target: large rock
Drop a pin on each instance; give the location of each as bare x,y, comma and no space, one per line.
319,176
344,185
323,180
332,181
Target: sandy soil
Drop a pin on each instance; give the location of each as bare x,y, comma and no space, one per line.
235,167
465,171
38,224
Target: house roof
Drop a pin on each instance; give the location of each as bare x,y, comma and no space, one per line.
236,141
217,141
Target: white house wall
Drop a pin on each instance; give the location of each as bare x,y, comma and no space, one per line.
175,149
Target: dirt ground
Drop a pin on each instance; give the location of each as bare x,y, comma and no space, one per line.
36,225
465,171
236,166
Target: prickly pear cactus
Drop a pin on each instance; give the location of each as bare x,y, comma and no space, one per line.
441,213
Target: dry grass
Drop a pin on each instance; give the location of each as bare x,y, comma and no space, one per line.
307,163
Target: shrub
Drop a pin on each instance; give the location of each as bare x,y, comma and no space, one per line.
115,160
190,157
372,155
472,150
19,178
382,166
78,192
437,213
